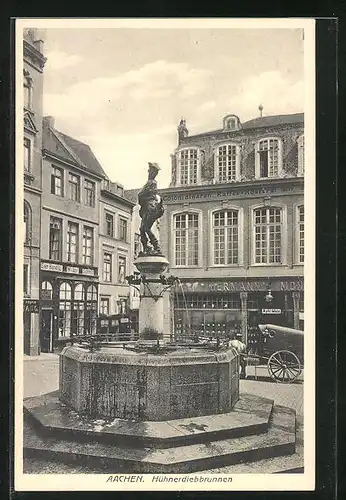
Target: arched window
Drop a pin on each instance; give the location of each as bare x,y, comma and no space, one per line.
79,292
91,292
27,222
268,235
300,234
227,163
225,227
301,155
268,158
65,310
46,290
188,165
186,239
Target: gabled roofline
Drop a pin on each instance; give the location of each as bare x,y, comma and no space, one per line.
83,169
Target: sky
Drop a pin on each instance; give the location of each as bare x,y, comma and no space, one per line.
123,91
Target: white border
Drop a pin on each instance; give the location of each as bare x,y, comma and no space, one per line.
239,482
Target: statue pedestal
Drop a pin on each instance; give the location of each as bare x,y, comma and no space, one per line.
151,310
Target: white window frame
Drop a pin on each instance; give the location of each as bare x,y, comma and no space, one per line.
257,158
127,220
122,256
178,153
69,244
108,213
297,234
110,262
89,187
216,158
103,298
200,239
77,177
283,235
92,254
240,235
301,155
61,177
27,293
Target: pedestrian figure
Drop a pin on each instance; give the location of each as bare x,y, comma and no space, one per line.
241,350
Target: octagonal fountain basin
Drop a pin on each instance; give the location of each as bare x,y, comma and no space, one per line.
114,382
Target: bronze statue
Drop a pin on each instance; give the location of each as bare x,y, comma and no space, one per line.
151,209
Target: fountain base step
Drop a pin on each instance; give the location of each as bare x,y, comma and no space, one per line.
185,445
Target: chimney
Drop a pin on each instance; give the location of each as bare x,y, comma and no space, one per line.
49,120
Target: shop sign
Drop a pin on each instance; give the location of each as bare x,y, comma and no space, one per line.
271,311
245,286
239,286
234,193
72,270
292,286
88,272
31,305
49,266
124,320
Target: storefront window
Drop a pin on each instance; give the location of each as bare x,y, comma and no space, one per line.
46,290
65,310
91,310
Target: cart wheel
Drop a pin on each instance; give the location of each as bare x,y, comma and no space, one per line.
284,366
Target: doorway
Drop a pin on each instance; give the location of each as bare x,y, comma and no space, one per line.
46,333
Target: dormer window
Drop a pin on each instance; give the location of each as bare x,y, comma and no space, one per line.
227,163
268,158
188,165
231,122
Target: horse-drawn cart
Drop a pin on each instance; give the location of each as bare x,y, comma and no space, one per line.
283,350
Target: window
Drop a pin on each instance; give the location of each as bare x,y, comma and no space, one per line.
27,92
91,310
27,155
229,301
186,239
77,319
55,238
26,279
300,228
88,245
72,242
225,237
57,181
89,193
65,310
137,244
79,292
74,187
109,222
121,269
46,290
268,161
123,229
27,223
188,166
104,306
107,267
301,155
227,163
268,235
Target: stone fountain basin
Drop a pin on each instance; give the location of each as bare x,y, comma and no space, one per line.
113,382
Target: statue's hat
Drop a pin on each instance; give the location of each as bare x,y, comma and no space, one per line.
154,165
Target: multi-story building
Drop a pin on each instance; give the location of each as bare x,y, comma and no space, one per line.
69,270
234,226
115,248
33,66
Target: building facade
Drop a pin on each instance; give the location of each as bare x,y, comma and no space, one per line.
234,226
115,248
33,67
69,268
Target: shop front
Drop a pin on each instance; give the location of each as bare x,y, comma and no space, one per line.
233,309
31,316
68,303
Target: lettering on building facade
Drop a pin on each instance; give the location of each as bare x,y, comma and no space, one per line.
246,286
31,305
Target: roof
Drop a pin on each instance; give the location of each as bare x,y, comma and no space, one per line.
261,122
272,121
83,153
132,194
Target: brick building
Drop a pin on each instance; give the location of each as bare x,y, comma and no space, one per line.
33,66
234,226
